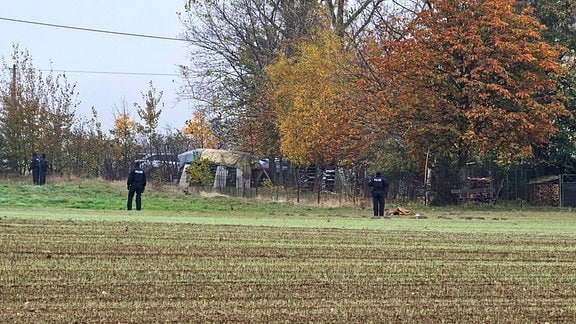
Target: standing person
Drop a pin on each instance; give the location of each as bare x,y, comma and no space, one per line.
379,186
35,168
43,169
136,184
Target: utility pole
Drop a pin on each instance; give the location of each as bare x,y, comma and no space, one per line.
13,86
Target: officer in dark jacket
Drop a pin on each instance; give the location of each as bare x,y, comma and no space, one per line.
43,169
35,168
136,184
379,187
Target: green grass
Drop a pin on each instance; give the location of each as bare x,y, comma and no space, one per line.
88,194
69,252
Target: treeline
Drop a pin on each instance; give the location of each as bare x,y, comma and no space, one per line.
38,114
417,89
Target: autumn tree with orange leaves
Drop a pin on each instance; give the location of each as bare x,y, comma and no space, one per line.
124,133
198,129
470,79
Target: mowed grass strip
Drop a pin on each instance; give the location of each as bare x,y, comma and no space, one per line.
108,271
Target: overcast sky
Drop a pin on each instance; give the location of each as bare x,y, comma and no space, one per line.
116,69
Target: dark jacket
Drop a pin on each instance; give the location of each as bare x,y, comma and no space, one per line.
43,163
136,179
34,163
379,184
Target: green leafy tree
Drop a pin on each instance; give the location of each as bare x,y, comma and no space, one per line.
90,148
57,119
559,17
150,115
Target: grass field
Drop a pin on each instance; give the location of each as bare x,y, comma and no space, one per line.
74,255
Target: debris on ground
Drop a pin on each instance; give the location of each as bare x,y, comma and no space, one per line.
401,211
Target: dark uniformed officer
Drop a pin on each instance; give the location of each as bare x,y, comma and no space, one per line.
35,168
379,187
136,184
43,169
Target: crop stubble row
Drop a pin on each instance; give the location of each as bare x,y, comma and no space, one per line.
141,272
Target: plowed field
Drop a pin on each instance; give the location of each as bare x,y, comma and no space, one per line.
137,272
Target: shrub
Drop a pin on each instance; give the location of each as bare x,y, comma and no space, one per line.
199,173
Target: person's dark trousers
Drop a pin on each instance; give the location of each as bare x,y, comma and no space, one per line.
42,177
138,193
36,177
378,203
